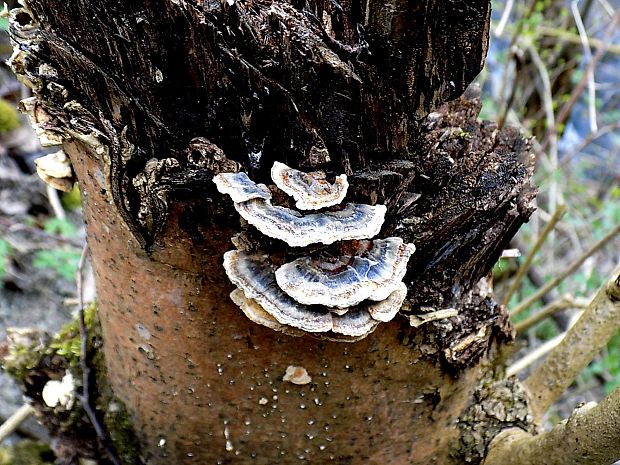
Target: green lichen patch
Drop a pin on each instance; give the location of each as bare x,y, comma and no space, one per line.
28,349
67,343
111,410
23,351
34,358
27,452
117,422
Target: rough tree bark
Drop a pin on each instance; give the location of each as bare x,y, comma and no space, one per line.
154,98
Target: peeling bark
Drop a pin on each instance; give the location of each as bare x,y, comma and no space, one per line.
179,91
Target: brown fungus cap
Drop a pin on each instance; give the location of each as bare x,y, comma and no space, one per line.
310,190
259,315
55,169
386,310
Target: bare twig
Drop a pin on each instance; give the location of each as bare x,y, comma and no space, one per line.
607,7
84,397
538,352
598,323
568,106
12,423
571,37
574,38
568,229
549,310
54,200
552,133
570,269
534,276
516,282
509,62
583,35
418,320
499,30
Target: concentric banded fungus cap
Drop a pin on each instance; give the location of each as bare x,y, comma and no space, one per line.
386,310
255,277
356,322
346,281
257,314
355,221
240,187
310,190
350,329
263,302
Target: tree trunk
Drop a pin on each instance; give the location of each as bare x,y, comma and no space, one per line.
153,99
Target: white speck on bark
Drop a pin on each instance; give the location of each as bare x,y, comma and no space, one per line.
297,375
229,446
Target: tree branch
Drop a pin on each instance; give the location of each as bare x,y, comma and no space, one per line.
594,329
516,282
567,272
591,436
548,310
540,351
12,423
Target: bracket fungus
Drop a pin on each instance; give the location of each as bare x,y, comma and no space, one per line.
43,124
252,202
256,278
340,295
55,169
345,281
263,302
355,221
312,191
240,187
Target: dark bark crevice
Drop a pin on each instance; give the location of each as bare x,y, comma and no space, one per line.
261,82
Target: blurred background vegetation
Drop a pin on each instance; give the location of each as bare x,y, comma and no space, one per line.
553,70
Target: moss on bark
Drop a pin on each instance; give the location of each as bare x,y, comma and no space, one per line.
26,452
34,358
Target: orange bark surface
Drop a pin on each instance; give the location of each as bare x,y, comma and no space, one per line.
204,384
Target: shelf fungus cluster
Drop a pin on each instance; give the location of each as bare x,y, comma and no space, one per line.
341,292
54,168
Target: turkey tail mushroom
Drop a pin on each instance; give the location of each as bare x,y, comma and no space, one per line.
355,221
310,190
340,296
265,303
371,275
240,187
